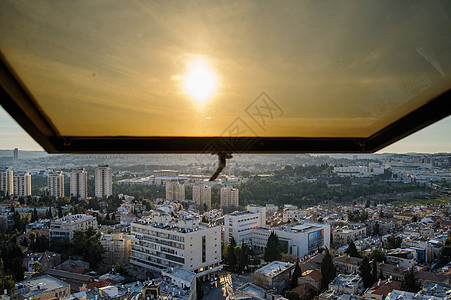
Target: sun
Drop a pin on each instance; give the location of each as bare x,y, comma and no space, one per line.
200,81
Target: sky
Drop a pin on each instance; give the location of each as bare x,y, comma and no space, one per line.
433,139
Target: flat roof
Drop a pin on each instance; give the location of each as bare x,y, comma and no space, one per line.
275,268
180,273
46,283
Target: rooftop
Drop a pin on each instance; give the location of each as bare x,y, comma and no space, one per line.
180,273
35,286
275,268
346,280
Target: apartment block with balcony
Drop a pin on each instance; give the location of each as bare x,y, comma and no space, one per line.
55,184
6,181
22,184
65,227
103,181
117,248
164,242
79,183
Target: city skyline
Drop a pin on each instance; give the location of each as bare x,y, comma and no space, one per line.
435,138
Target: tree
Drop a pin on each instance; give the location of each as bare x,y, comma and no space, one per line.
377,229
296,274
273,249
243,257
6,282
230,256
410,282
365,273
374,271
34,215
49,214
328,270
199,290
352,250
393,242
36,266
377,254
87,244
17,269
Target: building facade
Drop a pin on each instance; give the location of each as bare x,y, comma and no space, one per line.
65,227
79,183
240,226
55,184
22,184
117,248
202,196
164,242
229,197
103,181
6,181
175,191
300,239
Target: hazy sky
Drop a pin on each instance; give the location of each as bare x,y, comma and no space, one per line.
433,139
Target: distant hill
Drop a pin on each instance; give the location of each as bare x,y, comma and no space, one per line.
24,154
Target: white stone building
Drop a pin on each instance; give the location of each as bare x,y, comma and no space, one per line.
229,197
117,247
300,239
65,227
164,242
202,196
240,226
79,183
6,181
22,184
103,181
55,184
175,191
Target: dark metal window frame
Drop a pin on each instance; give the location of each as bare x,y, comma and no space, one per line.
19,103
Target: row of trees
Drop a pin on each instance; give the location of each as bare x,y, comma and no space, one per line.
236,257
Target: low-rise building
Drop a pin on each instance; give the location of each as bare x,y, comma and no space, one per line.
184,280
381,289
343,235
348,284
43,287
347,264
65,227
47,260
274,275
402,257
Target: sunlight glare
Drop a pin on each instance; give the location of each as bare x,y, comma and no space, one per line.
200,81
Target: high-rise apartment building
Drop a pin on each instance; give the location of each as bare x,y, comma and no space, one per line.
229,197
6,181
79,183
55,184
164,242
22,184
175,191
16,155
202,196
103,181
